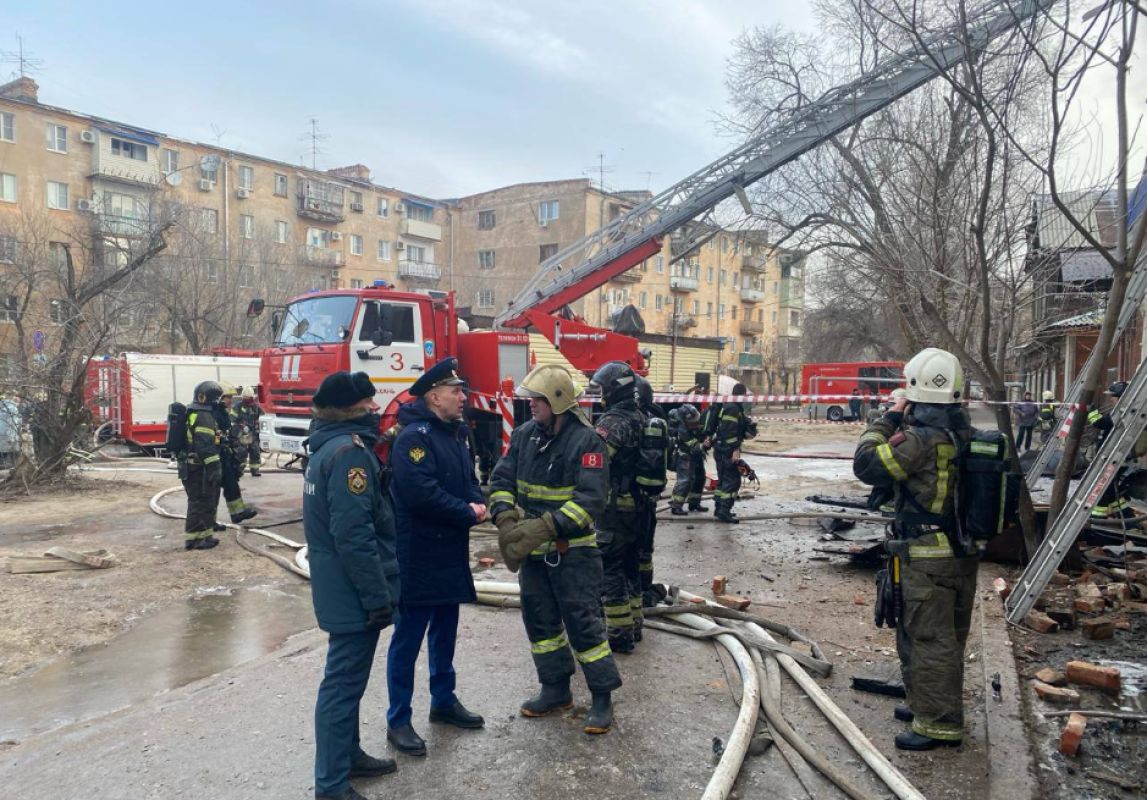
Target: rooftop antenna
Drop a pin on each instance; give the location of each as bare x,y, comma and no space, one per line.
315,137
601,169
25,63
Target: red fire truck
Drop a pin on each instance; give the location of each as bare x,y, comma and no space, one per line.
827,387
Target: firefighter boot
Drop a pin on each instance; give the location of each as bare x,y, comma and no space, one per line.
552,697
600,716
245,514
903,713
219,527
910,740
348,793
621,640
698,507
255,473
726,515
677,511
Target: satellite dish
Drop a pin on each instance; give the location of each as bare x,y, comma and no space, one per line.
173,178
209,163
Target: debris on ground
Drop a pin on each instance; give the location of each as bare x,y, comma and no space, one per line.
1072,735
60,559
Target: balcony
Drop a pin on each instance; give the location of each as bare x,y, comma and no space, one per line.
792,293
122,225
755,263
752,295
418,229
678,283
321,201
752,327
633,275
681,321
750,360
313,256
419,270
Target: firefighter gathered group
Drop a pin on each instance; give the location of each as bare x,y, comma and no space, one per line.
574,503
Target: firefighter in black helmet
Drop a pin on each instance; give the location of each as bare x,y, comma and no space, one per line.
690,463
651,480
728,425
200,468
619,527
1113,502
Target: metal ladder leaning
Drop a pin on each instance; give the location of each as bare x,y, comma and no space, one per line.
1129,419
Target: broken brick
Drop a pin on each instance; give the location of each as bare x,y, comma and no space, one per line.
1064,615
733,601
1090,605
1002,588
1072,734
1040,623
1059,579
1119,592
1098,628
1088,589
485,561
720,584
1055,694
1086,674
1051,676
859,600
1122,624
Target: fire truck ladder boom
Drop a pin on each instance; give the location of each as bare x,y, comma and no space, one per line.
637,235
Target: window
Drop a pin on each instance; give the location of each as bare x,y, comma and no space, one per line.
209,168
7,187
247,226
282,231
487,220
748,344
733,312
416,254
356,283
58,196
678,305
280,185
548,211
355,244
398,318
419,212
9,310
384,249
246,178
736,279
383,207
126,206
761,315
57,136
709,275
657,302
775,285
547,251
721,311
485,259
774,315
643,300
209,220
57,255
485,298
7,126
356,202
212,272
709,310
170,161
56,312
794,319
7,249
661,265
126,149
246,276
724,276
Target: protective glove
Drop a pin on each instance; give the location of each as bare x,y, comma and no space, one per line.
506,520
518,542
380,617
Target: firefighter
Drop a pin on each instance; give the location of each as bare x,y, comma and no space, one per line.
690,463
619,527
727,425
247,413
651,479
200,468
550,486
1047,416
913,449
232,456
1113,502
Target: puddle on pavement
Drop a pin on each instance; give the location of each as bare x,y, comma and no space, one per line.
185,642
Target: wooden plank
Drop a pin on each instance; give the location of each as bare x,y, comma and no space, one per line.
98,559
35,564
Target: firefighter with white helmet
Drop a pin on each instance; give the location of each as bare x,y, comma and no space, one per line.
913,449
247,412
546,493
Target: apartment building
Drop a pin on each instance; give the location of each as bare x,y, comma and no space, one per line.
257,226
731,306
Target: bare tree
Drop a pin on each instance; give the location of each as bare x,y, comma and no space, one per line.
72,293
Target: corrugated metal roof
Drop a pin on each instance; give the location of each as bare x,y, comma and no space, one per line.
1090,319
1095,209
1085,265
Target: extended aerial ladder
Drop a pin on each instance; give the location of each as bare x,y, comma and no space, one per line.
637,235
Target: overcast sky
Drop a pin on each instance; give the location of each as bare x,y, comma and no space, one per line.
438,97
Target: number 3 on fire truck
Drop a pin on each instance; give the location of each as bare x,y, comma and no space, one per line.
396,362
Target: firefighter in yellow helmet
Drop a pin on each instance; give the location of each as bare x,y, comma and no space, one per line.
913,449
546,493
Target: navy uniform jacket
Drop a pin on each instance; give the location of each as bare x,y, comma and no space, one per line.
433,485
349,524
